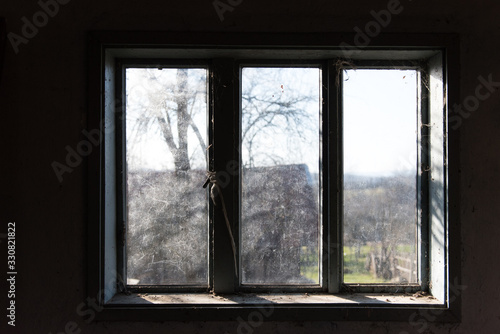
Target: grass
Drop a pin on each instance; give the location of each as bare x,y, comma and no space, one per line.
361,278
354,267
309,263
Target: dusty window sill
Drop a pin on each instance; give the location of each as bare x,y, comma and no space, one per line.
275,307
176,299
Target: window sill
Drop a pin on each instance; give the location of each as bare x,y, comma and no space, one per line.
275,307
297,299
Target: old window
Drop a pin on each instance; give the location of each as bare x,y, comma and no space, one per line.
328,173
380,204
280,226
165,152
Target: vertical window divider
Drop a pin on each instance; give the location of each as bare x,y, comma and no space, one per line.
334,176
237,172
224,111
423,149
121,175
324,170
210,166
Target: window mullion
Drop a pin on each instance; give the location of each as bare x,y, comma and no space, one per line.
423,180
225,105
333,179
121,175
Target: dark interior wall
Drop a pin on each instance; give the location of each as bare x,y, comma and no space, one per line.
43,108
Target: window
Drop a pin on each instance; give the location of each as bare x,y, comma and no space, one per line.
329,174
380,144
167,239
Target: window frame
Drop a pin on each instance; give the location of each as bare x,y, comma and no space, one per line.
277,62
122,64
106,48
422,196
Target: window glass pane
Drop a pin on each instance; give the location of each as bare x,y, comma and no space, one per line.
166,122
380,161
280,204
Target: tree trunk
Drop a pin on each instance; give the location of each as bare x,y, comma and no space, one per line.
181,156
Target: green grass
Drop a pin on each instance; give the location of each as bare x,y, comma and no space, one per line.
310,273
356,267
309,263
361,278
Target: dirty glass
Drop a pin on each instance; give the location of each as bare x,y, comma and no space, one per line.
380,166
166,141
280,176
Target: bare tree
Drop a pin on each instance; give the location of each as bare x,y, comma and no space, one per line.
171,105
166,208
271,110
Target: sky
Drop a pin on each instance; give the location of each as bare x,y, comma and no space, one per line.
380,122
380,119
148,149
